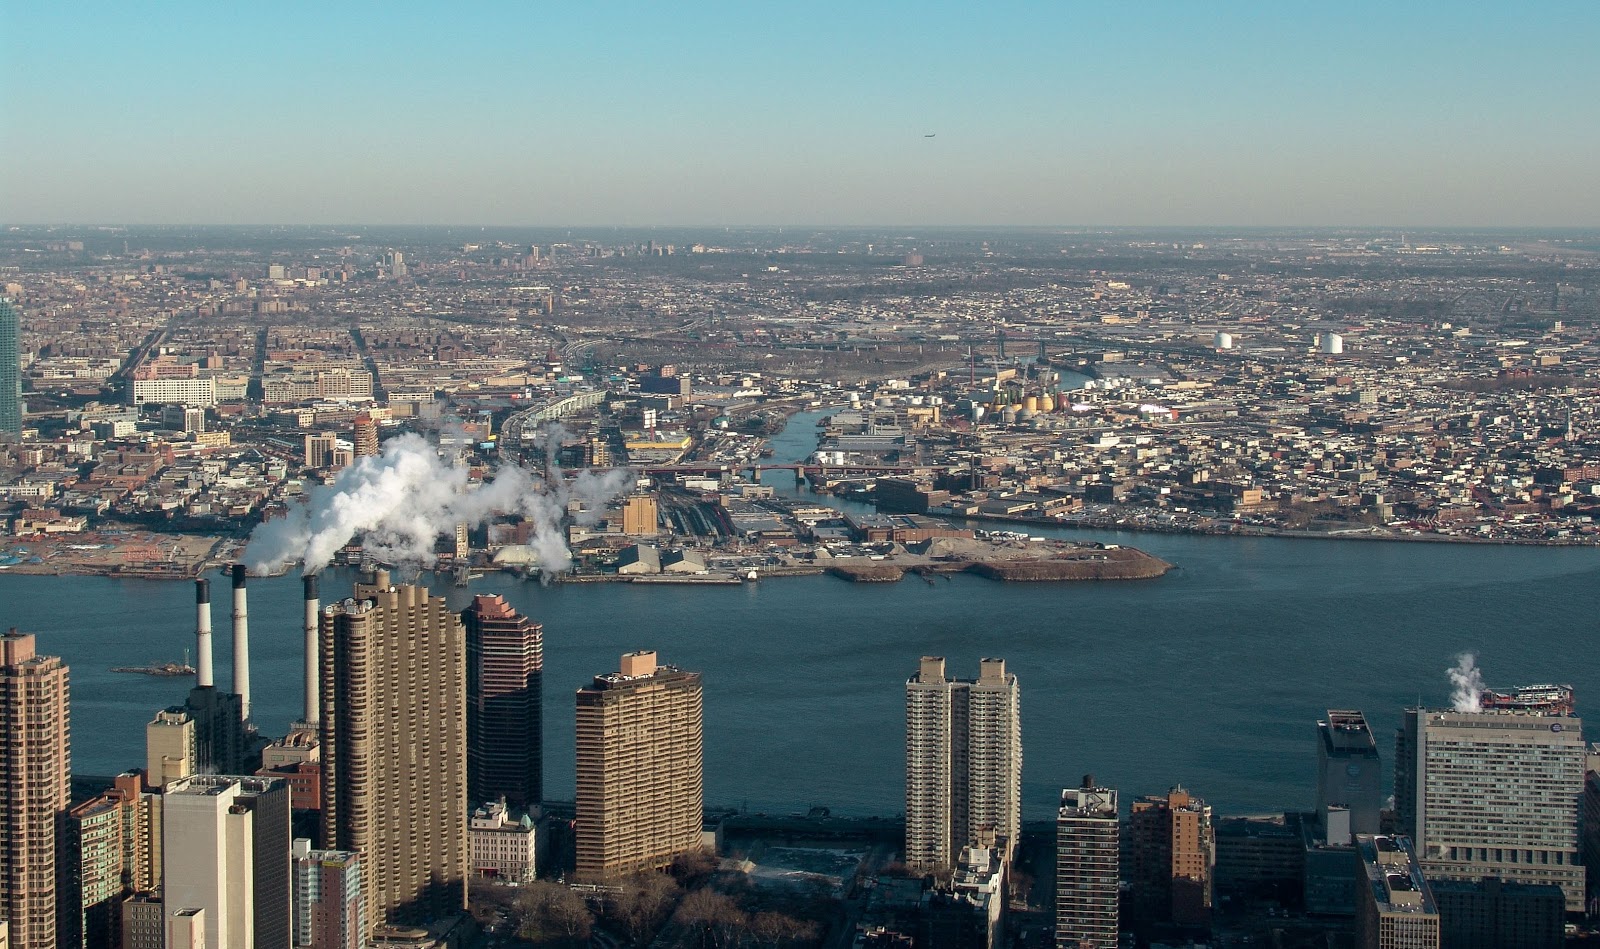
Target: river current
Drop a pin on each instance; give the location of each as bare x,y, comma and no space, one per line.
1212,676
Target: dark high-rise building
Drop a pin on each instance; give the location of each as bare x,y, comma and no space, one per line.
1347,776
393,669
35,770
10,376
1493,914
1171,855
505,662
1088,860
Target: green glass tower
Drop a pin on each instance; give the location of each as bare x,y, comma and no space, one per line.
10,370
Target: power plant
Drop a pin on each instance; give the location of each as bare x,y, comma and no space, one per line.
224,740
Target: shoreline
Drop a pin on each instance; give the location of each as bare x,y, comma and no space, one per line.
1268,532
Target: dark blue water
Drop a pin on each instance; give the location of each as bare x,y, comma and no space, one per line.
1212,676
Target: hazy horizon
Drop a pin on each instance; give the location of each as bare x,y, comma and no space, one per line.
1170,115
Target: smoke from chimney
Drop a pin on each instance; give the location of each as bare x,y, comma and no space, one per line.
400,502
1467,694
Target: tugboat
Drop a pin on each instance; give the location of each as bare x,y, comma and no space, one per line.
163,669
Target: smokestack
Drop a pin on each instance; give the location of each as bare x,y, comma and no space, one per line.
312,710
241,643
202,633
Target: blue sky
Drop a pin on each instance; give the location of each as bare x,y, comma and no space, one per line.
1196,113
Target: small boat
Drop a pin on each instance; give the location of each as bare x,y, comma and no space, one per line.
163,669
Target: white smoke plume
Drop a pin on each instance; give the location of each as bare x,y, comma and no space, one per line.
1467,682
400,502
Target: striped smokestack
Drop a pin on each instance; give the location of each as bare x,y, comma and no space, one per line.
202,633
312,710
241,643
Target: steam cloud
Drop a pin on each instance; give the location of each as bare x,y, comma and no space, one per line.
1467,692
401,501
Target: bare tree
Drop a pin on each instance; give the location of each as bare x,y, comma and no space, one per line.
550,908
693,868
715,916
770,929
644,900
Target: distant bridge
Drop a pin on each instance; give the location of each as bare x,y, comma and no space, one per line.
811,472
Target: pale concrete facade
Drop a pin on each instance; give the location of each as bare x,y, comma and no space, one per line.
1494,794
504,848
226,842
963,763
169,741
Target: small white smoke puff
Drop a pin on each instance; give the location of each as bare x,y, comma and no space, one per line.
1467,692
400,502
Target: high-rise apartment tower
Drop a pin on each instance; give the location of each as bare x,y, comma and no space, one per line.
1171,858
505,695
329,912
640,768
1087,868
963,763
35,770
108,853
393,670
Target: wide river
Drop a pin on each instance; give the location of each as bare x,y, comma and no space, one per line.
1212,676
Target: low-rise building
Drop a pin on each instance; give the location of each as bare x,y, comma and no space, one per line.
1394,906
500,846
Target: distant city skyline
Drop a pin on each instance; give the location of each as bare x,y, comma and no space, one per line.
1431,115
